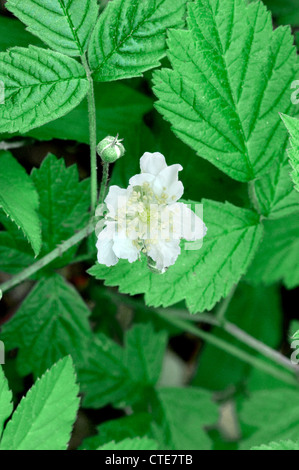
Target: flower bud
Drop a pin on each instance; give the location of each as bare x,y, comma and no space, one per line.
110,149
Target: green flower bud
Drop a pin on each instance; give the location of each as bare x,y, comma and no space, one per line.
110,149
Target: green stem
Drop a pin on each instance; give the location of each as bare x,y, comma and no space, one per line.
40,264
231,349
92,136
104,183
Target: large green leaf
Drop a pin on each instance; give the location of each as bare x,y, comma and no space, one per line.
51,322
19,199
231,76
271,415
130,37
6,405
65,25
45,417
200,276
277,257
292,125
40,86
186,412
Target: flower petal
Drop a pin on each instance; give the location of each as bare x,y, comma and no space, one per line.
167,182
104,246
138,180
115,199
125,249
152,163
186,223
164,253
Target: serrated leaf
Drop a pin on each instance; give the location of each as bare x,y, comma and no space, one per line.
282,445
19,199
44,418
272,415
277,258
51,322
64,202
144,353
39,86
142,443
130,37
186,412
292,125
119,109
113,374
6,405
231,76
200,276
117,430
65,25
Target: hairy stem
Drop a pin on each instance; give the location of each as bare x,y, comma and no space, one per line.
92,136
40,264
104,183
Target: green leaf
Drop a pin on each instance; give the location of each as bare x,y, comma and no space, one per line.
51,322
131,444
296,335
224,102
130,37
6,405
186,412
19,199
112,374
64,25
292,125
200,276
64,202
272,415
44,418
144,353
244,311
40,86
119,109
117,430
277,258
282,445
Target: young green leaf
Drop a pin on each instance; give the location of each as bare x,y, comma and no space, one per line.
231,76
6,405
200,276
292,125
65,25
137,443
19,199
130,37
277,257
272,415
44,418
51,322
39,86
186,411
282,445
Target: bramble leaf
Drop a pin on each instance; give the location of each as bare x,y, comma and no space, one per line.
292,125
6,405
231,77
130,37
45,416
200,276
65,25
51,322
39,86
19,199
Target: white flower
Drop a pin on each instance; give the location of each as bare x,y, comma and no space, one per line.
146,217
